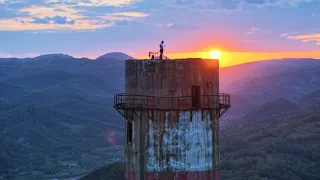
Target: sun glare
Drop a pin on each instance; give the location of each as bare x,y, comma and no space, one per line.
215,54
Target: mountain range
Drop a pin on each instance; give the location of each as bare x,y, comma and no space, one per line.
277,140
57,120
58,109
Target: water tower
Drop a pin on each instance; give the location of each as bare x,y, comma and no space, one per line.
172,110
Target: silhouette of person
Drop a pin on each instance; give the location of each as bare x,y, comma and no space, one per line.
161,49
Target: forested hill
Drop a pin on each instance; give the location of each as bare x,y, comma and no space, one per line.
57,120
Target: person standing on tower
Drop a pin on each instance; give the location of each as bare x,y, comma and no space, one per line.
161,49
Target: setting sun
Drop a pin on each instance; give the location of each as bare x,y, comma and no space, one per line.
215,54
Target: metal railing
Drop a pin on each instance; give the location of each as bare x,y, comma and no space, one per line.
154,54
142,102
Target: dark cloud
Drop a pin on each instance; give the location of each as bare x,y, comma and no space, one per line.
18,4
6,12
45,20
62,20
53,20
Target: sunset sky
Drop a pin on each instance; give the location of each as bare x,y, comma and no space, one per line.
244,30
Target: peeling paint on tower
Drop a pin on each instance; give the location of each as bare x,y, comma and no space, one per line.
172,110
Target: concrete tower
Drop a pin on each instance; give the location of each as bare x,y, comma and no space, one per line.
172,110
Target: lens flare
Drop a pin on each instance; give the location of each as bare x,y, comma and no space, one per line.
111,137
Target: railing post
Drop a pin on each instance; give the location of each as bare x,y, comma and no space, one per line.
172,91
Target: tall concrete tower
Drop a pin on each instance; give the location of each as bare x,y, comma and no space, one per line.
172,110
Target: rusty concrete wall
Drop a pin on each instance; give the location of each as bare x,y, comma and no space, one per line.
158,77
167,145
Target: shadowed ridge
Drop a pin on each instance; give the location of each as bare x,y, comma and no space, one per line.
266,149
113,171
271,109
57,55
312,99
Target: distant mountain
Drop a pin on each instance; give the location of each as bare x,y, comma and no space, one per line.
52,56
271,109
257,83
282,147
94,111
240,106
115,55
39,133
268,136
266,110
311,100
231,75
285,146
9,91
269,80
55,108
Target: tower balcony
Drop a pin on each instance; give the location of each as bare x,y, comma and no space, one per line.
181,103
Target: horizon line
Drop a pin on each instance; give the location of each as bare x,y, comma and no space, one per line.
226,59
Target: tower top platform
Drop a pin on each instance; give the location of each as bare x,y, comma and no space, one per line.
169,59
168,64
178,84
178,59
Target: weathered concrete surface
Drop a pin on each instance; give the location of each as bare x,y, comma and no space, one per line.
159,77
170,144
179,146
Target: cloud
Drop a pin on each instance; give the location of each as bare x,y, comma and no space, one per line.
189,5
130,14
253,30
117,3
57,10
25,24
12,1
63,17
122,18
52,20
6,12
258,30
290,3
239,4
165,25
90,14
306,38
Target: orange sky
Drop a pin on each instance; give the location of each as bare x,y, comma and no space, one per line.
234,58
